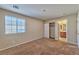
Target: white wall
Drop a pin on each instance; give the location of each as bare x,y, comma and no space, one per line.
34,30
72,28
78,29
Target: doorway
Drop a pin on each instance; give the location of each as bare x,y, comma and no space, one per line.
62,30
52,30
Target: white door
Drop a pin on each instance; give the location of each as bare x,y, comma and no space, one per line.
78,30
46,30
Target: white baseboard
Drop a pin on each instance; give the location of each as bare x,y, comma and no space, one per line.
17,45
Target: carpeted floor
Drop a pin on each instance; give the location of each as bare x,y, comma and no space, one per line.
43,47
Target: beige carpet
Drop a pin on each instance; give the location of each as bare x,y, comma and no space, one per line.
43,47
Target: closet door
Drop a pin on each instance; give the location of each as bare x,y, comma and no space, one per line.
52,30
46,30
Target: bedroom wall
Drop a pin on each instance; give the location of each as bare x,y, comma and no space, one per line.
34,30
71,27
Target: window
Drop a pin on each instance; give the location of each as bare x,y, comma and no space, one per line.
14,25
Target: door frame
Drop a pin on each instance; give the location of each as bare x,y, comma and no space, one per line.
50,30
66,30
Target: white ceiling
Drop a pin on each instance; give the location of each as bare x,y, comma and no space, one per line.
36,10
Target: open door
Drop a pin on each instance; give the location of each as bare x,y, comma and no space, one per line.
52,30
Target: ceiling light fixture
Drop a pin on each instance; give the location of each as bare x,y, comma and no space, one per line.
15,6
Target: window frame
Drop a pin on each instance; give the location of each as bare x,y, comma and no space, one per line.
12,30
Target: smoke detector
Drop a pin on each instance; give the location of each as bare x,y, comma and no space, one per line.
44,10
